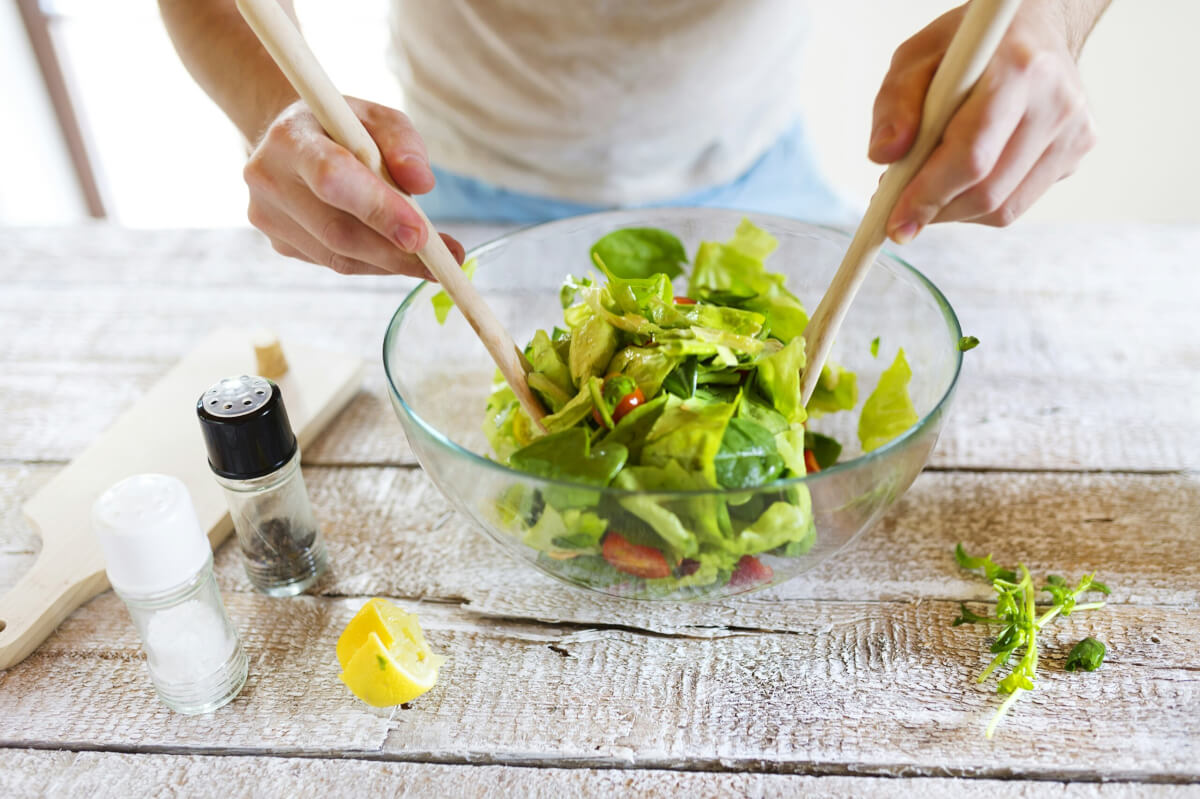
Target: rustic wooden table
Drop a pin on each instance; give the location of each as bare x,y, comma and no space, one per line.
1072,446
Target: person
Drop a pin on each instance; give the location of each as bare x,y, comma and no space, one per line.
523,110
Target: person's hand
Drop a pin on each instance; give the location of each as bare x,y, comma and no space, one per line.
317,202
1025,125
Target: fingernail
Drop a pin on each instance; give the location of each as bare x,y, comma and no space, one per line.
414,161
882,136
905,233
407,238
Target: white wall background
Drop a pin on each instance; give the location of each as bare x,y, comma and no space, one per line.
169,158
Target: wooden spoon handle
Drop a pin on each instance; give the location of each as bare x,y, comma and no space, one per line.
973,45
283,41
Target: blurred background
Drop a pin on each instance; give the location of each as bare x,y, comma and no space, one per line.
104,121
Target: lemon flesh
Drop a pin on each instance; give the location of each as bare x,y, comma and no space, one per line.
385,660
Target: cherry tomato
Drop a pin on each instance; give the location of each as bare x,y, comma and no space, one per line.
640,561
628,403
684,301
750,571
810,461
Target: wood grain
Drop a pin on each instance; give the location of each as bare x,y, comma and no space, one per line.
852,688
109,775
846,671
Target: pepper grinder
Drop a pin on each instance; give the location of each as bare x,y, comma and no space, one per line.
255,457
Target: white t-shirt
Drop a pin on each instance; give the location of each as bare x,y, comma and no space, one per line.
610,102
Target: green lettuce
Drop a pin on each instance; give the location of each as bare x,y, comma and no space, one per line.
889,410
442,302
778,377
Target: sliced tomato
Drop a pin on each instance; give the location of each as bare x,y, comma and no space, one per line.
628,403
750,571
684,300
810,461
634,559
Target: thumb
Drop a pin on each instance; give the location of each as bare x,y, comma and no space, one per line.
897,113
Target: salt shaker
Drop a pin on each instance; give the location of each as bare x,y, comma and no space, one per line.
255,457
159,562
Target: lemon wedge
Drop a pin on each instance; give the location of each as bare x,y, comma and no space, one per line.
385,660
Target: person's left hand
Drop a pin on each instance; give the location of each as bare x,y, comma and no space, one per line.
1025,125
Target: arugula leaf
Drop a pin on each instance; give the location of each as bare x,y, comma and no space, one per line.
1016,610
641,252
682,380
990,570
442,302
1087,655
748,456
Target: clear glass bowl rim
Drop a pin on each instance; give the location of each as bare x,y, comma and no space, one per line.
838,468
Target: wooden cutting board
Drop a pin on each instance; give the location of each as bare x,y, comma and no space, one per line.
158,433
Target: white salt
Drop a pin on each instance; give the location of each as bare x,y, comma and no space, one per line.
187,642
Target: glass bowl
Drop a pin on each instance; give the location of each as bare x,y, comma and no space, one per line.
440,377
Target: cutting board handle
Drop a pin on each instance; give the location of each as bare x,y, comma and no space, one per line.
40,600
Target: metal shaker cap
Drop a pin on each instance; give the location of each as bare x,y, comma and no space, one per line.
246,427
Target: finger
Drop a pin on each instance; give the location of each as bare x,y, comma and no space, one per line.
338,179
970,148
290,239
401,146
1024,150
344,235
897,111
456,249
1058,162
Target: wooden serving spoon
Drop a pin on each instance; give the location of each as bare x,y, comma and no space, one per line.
973,45
283,41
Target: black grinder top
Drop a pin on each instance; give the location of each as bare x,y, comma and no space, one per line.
245,427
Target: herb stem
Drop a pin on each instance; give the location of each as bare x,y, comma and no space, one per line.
1001,712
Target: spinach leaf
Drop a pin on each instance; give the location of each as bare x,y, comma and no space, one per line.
682,380
1087,655
825,449
748,457
641,252
569,456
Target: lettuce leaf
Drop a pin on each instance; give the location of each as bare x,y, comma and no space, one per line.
442,302
572,532
592,346
778,377
648,366
836,390
689,432
781,523
889,410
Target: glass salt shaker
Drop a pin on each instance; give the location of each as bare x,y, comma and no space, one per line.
159,562
255,457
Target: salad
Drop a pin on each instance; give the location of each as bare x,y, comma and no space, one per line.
655,391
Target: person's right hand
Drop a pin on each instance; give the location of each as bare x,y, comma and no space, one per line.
317,202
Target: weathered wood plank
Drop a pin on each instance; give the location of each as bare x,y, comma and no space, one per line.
33,773
853,688
390,531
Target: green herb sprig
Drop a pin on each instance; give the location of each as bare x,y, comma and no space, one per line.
1018,614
